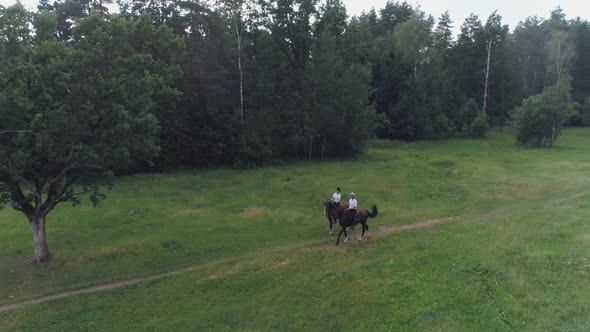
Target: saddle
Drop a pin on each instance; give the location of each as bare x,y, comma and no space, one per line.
357,218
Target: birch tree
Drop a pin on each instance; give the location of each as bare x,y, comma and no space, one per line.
239,14
560,53
493,34
414,42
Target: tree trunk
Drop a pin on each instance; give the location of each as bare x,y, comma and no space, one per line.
241,86
558,62
238,39
553,135
485,93
40,249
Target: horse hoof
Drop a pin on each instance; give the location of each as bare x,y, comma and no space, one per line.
345,240
360,238
331,233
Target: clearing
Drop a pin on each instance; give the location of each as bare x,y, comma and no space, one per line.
251,248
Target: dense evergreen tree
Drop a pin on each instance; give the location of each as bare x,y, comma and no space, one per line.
580,69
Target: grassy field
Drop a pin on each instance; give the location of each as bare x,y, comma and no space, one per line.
514,256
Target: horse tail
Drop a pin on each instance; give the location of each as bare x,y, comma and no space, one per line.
373,212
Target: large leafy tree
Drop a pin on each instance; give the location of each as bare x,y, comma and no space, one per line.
68,12
560,53
15,31
414,42
74,115
540,118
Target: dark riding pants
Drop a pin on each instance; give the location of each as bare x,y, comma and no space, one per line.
353,216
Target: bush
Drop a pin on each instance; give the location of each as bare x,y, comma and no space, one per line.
479,126
539,120
469,111
253,151
443,126
584,113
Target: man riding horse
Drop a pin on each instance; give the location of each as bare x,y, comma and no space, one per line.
352,206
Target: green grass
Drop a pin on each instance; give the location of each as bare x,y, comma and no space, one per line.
514,257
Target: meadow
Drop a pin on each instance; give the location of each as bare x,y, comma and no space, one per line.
509,250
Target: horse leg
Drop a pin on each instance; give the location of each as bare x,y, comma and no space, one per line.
331,224
363,235
345,236
338,240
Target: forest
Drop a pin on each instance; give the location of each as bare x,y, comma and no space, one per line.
246,82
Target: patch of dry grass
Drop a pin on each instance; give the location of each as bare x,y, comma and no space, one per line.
257,212
188,212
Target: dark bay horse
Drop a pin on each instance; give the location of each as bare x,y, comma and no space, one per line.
331,212
345,219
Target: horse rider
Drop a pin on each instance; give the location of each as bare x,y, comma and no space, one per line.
336,198
352,205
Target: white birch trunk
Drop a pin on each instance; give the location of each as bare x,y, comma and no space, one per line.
238,38
485,93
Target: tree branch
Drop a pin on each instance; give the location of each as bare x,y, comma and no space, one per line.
55,194
14,131
63,172
19,200
30,186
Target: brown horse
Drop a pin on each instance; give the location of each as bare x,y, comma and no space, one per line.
331,212
345,220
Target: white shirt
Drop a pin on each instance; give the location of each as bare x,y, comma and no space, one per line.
352,203
336,197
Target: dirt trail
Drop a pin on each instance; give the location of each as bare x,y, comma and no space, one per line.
422,224
383,230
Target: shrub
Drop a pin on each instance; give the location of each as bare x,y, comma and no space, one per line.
468,113
584,113
479,126
539,120
443,126
252,151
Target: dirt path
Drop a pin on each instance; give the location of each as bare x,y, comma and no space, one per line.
382,230
421,224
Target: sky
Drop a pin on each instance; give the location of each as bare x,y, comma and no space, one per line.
512,11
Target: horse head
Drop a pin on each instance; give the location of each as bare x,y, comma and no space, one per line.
328,205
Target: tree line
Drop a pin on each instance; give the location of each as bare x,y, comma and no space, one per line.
162,84
259,80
